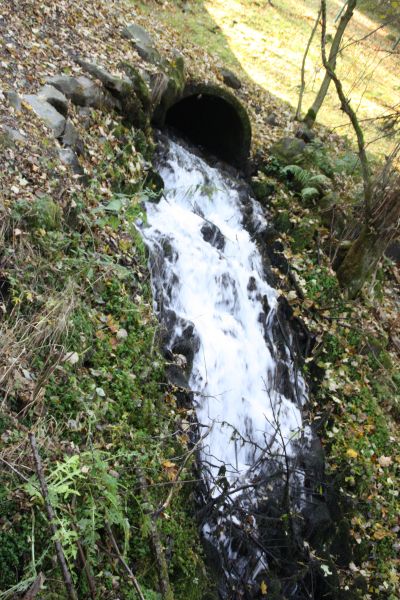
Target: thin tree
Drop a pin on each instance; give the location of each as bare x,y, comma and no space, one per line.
303,66
333,54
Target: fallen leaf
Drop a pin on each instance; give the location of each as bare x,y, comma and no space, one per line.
263,588
71,357
351,453
385,461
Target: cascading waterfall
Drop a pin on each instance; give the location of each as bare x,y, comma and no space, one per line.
223,329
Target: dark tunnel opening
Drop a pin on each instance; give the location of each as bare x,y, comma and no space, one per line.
214,124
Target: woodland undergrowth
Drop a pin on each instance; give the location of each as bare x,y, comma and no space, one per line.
353,370
81,370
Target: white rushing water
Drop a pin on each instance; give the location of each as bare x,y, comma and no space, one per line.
220,288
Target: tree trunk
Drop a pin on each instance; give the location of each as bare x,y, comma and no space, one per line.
334,51
365,253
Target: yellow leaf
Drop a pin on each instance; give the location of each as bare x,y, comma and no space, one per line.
263,588
379,534
167,464
351,453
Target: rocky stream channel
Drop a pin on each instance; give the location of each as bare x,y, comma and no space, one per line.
235,355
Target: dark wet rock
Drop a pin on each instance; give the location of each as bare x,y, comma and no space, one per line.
252,285
289,150
176,376
142,42
170,254
230,79
69,157
45,111
212,234
53,96
186,344
340,545
312,457
270,235
14,100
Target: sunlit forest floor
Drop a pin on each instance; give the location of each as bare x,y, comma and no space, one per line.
266,43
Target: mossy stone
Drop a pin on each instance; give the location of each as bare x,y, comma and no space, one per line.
282,221
289,151
263,187
302,236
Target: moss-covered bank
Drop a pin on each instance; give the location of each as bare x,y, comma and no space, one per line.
81,369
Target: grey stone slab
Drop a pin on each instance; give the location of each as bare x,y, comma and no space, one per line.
68,157
82,91
14,100
54,97
45,111
142,42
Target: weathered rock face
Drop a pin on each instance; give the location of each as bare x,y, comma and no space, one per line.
305,134
45,111
54,97
272,120
129,95
143,42
82,91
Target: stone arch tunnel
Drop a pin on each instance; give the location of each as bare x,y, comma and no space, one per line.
213,119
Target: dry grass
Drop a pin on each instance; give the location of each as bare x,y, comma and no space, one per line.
22,340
